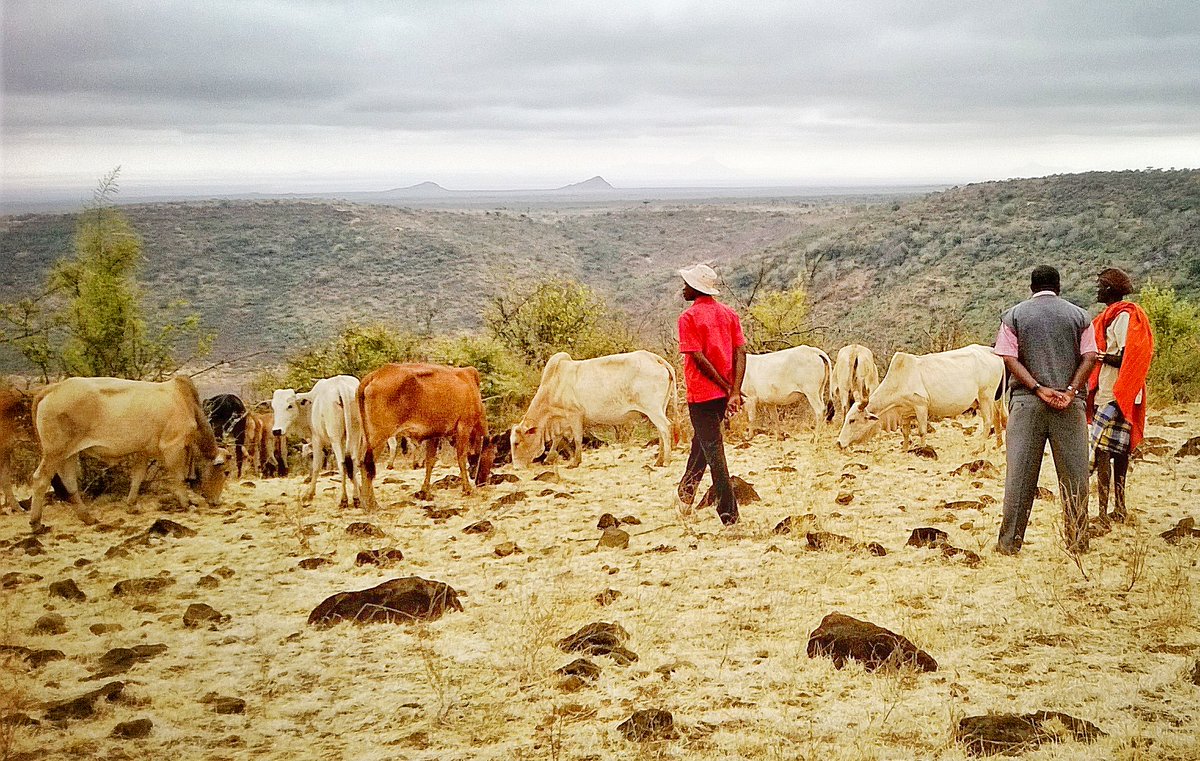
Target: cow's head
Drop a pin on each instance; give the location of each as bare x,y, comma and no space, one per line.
291,409
211,475
860,425
528,442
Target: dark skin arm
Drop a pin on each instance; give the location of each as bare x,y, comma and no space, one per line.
732,390
1058,400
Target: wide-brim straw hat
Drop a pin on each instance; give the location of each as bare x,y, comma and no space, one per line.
701,277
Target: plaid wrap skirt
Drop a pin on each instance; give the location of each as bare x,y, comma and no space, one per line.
1111,432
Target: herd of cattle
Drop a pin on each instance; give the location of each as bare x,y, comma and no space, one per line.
400,404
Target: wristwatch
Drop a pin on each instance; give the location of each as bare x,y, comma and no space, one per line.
1035,388
1074,391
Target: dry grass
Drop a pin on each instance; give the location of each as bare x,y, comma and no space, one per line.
719,619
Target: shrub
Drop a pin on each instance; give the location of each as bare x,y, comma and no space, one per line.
1175,371
356,350
778,320
506,383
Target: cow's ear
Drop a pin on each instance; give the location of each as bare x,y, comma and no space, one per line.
872,416
531,431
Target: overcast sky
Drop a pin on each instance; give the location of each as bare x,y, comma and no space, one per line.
307,95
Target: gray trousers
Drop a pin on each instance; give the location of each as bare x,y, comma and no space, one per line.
1030,424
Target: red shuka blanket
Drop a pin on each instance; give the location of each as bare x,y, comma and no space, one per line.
1135,364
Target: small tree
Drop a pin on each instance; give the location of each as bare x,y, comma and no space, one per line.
356,350
89,320
1175,370
778,319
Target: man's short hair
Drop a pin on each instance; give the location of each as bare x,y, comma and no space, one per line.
1044,278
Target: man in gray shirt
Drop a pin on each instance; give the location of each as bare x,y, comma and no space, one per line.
1049,348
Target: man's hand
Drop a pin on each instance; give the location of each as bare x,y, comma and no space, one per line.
1057,400
734,405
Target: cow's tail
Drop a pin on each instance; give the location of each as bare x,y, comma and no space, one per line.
827,388
206,440
672,406
368,455
352,438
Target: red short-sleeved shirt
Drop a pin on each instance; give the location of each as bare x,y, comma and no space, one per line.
710,327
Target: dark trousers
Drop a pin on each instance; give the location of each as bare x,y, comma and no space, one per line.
1030,425
708,451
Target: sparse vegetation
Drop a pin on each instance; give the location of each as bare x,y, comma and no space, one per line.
1175,371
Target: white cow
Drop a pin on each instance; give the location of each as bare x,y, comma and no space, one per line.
855,376
930,387
612,390
329,413
785,377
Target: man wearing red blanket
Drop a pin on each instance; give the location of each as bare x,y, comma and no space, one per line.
1117,387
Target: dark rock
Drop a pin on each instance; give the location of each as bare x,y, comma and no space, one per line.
607,597
504,549
18,719
382,557
1194,675
396,601
844,498
14,579
549,477
120,659
843,638
572,684
68,590
201,614
440,514
132,730
1190,448
447,482
564,495
51,623
34,658
631,520
30,545
510,499
1185,528
927,452
164,527
742,489
1011,734
963,504
876,549
580,667
608,520
614,538
545,492
599,639
103,628
223,704
502,478
364,529
824,540
481,527
143,586
981,468
649,724
308,564
798,524
927,536
83,706
225,572
972,559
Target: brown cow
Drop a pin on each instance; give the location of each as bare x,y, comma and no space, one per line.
113,418
16,426
425,403
264,449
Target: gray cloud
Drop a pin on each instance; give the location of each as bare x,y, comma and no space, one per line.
936,70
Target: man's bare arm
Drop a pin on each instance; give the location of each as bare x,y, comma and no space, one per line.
739,374
1086,363
708,371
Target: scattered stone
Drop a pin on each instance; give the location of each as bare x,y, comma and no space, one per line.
581,667
35,659
68,590
396,601
1012,734
564,495
502,478
1152,445
510,499
481,527
545,492
132,730
963,504
441,514
201,614
1185,528
1190,448
824,540
843,638
102,628
14,579
608,520
144,586
1194,676
308,564
223,704
83,706
383,557
742,489
972,559
30,545
18,719
1043,493
614,538
51,623
120,659
798,524
549,477
447,482
164,527
225,572
364,529
928,537
600,639
927,452
649,724
607,597
981,468
631,520
876,549
844,498
504,549
782,468
572,684
663,549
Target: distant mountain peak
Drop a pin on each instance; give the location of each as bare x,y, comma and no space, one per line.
421,187
595,183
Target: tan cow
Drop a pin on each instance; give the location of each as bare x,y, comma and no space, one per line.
423,402
264,450
16,426
855,376
113,418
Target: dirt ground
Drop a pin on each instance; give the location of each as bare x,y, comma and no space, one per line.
719,618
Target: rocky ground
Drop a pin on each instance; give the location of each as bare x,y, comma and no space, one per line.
189,633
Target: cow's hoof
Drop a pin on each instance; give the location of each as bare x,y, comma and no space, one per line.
356,503
344,503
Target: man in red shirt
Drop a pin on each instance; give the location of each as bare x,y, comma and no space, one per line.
714,363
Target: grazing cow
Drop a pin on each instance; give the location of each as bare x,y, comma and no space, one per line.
611,390
784,377
227,416
330,414
929,387
264,449
16,426
426,403
855,376
113,418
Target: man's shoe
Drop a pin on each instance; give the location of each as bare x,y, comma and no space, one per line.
1003,550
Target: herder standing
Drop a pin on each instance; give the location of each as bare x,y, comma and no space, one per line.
714,363
1049,348
1117,387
